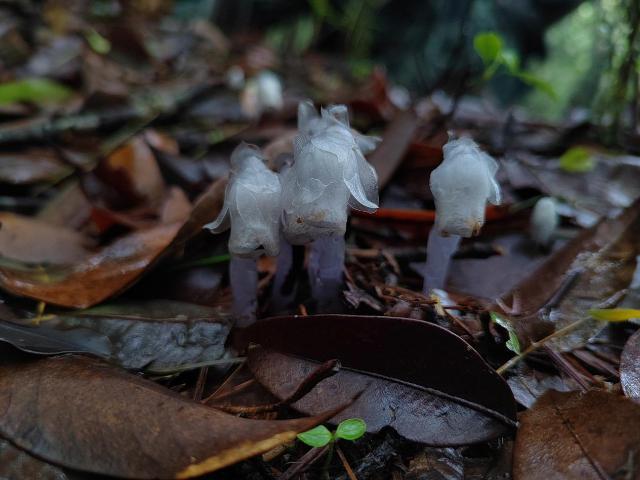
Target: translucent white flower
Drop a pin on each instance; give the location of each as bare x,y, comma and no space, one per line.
544,221
262,93
461,187
252,205
329,174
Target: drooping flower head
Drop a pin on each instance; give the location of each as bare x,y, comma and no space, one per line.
329,175
252,205
461,187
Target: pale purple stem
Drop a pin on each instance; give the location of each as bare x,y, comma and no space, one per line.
243,276
326,263
279,299
439,252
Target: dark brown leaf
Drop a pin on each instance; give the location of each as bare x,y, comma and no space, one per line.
393,359
630,367
591,435
83,414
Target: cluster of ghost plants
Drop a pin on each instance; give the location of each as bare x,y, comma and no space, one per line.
308,202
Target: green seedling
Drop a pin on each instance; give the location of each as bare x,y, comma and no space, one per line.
496,57
320,436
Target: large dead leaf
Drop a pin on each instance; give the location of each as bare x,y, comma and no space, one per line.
416,377
83,414
591,435
27,240
99,276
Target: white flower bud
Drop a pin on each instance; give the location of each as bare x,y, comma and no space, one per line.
262,93
461,187
544,221
252,205
329,174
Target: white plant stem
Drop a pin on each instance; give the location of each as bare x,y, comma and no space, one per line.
243,276
284,263
439,252
326,264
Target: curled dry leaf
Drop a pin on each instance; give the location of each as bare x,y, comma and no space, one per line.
591,435
630,367
25,239
97,277
416,377
83,414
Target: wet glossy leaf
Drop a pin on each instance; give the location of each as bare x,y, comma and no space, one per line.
83,414
316,437
590,435
385,359
630,367
154,334
351,429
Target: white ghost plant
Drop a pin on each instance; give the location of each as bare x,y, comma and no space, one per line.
329,175
544,221
261,94
252,209
461,187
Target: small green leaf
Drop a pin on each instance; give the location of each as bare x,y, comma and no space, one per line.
537,83
488,45
614,314
316,437
577,160
33,90
97,42
303,34
351,429
513,343
511,60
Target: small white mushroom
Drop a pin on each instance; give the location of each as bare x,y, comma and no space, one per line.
461,186
544,221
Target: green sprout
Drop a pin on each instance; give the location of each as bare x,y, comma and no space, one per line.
513,343
320,436
490,47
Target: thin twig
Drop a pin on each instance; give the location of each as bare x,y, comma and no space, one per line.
345,464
